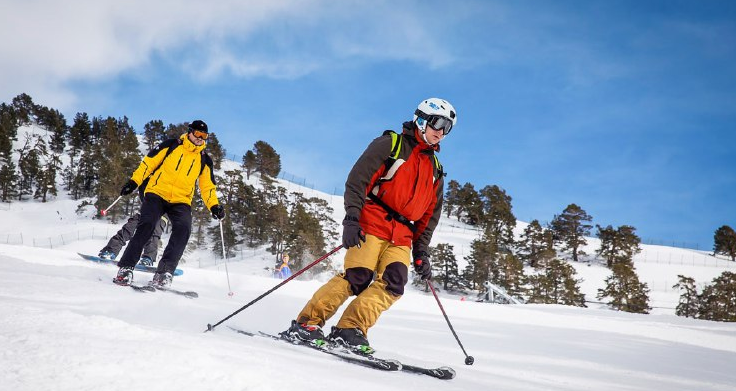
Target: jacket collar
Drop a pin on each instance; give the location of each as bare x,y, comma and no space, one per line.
189,146
410,129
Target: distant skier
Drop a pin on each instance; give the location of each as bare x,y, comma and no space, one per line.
393,201
283,270
173,168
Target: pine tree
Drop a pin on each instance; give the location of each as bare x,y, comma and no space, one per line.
24,108
175,131
625,291
689,301
276,216
8,134
536,246
512,274
305,238
29,164
154,134
470,206
116,154
54,123
249,163
246,213
215,151
618,245
452,197
80,134
556,285
570,229
268,162
85,179
725,242
718,300
47,179
445,268
497,219
483,264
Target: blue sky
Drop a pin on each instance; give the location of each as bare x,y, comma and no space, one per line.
625,108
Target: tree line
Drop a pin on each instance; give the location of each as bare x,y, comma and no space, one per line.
535,266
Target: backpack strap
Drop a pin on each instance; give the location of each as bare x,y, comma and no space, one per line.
396,140
440,170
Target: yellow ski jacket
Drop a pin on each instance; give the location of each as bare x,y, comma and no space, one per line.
172,170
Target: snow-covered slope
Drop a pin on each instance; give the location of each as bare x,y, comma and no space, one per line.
65,326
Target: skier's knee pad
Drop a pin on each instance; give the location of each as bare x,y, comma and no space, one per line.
396,276
359,278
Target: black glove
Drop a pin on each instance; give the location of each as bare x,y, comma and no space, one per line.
352,234
128,188
422,266
218,212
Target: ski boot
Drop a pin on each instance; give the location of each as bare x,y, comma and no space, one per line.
124,277
145,261
302,333
161,280
351,339
107,255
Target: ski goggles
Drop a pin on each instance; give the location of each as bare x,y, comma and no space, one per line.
199,134
437,122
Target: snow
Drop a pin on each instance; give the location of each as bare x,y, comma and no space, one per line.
65,326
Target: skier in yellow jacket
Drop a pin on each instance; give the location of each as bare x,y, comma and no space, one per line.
169,173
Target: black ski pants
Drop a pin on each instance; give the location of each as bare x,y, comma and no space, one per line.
180,217
150,249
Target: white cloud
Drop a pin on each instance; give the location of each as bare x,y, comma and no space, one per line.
48,44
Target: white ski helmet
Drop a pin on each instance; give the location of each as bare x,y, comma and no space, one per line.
439,113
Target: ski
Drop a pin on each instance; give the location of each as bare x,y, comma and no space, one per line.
365,360
149,288
385,365
140,268
444,373
187,294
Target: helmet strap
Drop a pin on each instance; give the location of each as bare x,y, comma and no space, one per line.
424,136
422,132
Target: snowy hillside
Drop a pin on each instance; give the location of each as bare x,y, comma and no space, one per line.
65,326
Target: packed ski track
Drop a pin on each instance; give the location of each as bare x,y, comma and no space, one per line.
66,326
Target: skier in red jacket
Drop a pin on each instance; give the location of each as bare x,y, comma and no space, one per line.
393,201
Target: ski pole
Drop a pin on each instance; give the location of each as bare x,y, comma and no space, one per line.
211,327
104,211
222,236
469,360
